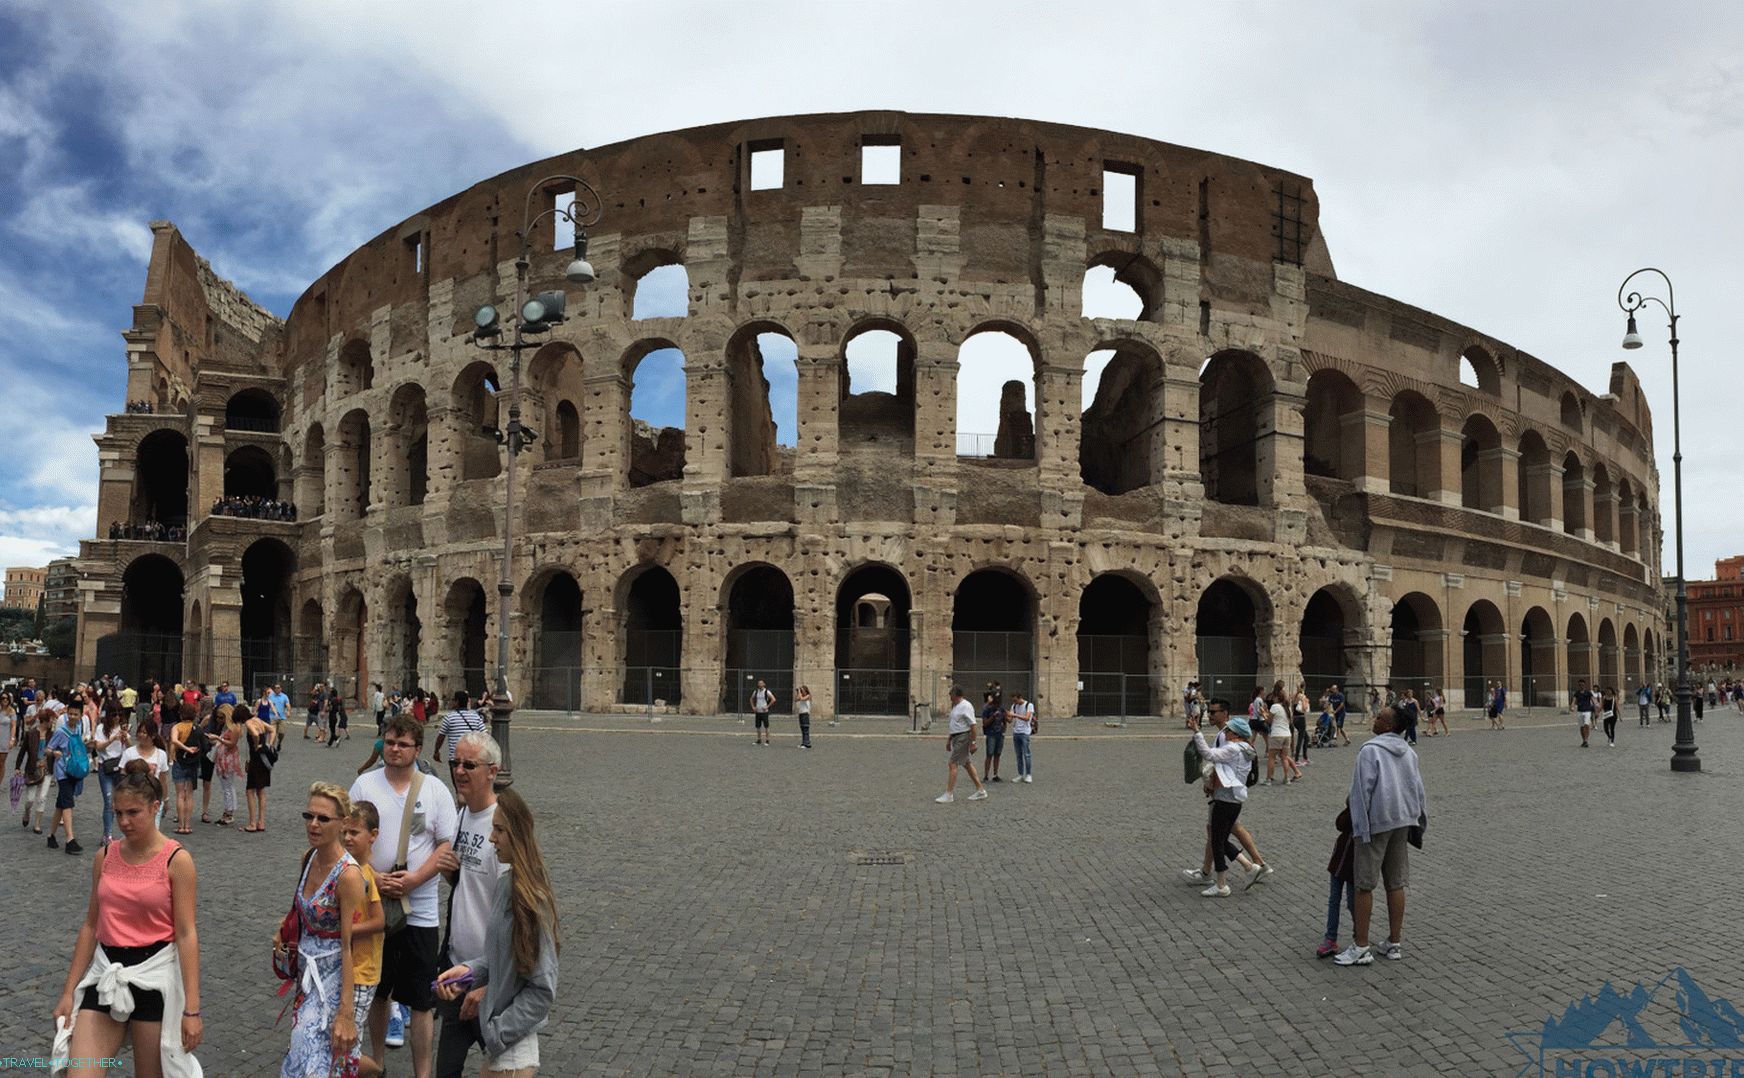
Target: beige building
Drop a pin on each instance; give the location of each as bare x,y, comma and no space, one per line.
24,587
61,589
1277,475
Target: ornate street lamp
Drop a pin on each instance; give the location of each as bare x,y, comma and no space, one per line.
1683,751
531,317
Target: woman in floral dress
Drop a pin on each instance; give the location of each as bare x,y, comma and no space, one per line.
227,759
329,894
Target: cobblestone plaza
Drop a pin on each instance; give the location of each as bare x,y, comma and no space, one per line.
730,910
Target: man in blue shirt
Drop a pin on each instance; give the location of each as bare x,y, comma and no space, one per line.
1335,699
281,709
224,695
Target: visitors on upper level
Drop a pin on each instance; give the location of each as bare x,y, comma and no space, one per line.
150,531
139,408
254,507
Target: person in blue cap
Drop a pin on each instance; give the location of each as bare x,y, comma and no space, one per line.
1227,784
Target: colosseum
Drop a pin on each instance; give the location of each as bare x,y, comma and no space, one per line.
1215,459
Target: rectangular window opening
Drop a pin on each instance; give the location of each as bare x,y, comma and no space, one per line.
768,166
563,229
1120,198
880,161
415,252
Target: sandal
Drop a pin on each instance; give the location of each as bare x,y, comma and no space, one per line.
206,817
224,821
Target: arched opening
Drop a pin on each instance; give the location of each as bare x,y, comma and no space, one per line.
1604,506
566,432
763,400
252,410
1121,286
660,291
1572,416
1333,440
554,382
1538,686
249,473
1235,404
466,614
1574,495
993,617
356,369
476,406
1480,465
267,568
1627,530
352,478
1609,665
1479,370
350,652
1225,629
656,387
996,400
1580,653
160,479
1121,444
1486,659
1115,622
149,643
877,395
557,677
872,649
1328,622
404,631
653,639
1534,485
1417,636
312,474
411,434
1413,446
311,643
1632,674
759,643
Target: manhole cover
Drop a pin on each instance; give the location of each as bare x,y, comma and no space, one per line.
882,858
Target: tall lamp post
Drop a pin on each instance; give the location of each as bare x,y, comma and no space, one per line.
532,317
1683,751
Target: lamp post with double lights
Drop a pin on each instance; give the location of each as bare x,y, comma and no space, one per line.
1683,751
531,317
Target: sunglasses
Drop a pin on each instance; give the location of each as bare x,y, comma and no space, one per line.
317,817
470,765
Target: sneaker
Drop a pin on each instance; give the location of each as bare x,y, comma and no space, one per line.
944,799
1327,949
74,847
1029,778
979,795
1254,875
1355,956
1193,875
52,844
994,779
1268,782
396,1028
1394,951
1214,891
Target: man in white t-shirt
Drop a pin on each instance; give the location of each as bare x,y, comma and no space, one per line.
1023,722
471,868
761,701
409,960
960,746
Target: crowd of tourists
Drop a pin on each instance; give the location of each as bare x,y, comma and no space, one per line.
253,507
140,408
365,950
148,531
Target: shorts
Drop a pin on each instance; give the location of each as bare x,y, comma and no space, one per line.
1586,718
362,995
148,1006
207,765
1385,856
995,744
1339,719
762,720
960,746
408,966
66,791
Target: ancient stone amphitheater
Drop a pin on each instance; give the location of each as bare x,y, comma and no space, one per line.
1231,465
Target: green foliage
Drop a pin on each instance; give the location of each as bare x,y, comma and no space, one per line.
17,624
59,637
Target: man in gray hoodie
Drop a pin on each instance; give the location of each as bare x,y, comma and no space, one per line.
1386,801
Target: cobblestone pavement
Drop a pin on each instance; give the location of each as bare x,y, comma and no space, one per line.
718,918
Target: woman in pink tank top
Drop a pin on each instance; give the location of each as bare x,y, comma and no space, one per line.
142,900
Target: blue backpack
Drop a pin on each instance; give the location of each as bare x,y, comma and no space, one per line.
78,763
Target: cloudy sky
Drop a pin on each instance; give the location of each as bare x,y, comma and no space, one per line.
1502,164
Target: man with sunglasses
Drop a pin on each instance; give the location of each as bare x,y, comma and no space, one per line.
409,956
472,868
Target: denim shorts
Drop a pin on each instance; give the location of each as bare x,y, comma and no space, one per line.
995,743
188,772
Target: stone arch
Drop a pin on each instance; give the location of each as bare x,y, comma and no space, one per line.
355,371
1331,621
160,483
1573,415
1632,672
253,410
872,661
1574,495
757,615
1609,664
1480,465
150,640
1484,638
1002,354
350,629
311,640
1122,444
1333,442
559,623
249,472
466,615
651,616
555,379
1413,445
762,395
1235,391
475,397
1534,480
1538,686
1416,636
312,473
1122,285
659,285
1480,370
877,388
269,568
351,477
403,633
994,613
1119,622
654,398
1580,652
1227,635
409,426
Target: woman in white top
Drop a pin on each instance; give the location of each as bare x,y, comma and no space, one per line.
1228,788
1278,744
107,745
145,747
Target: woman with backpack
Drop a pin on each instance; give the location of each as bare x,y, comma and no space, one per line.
69,752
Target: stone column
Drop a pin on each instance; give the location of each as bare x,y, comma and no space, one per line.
1059,391
1582,489
1278,461
1364,441
1548,476
706,400
223,634
1179,474
1501,465
447,441
1446,445
818,442
935,435
605,445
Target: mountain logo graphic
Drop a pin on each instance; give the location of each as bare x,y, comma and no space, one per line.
1637,1031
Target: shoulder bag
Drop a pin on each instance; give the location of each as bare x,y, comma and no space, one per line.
394,908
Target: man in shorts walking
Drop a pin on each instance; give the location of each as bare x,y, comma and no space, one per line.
1583,706
1386,802
1335,700
761,701
960,744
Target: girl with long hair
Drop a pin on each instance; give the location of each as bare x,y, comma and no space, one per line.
330,892
518,970
227,759
106,747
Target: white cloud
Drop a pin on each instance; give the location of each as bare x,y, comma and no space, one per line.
37,534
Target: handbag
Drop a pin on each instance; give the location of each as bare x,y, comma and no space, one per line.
287,961
1414,835
17,789
394,908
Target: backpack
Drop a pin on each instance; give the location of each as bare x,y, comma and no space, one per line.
78,763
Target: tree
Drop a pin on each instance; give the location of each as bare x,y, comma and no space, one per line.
17,624
58,636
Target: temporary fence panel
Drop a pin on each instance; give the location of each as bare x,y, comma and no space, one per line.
141,657
758,655
1113,675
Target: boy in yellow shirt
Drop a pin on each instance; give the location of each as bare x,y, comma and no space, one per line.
367,924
